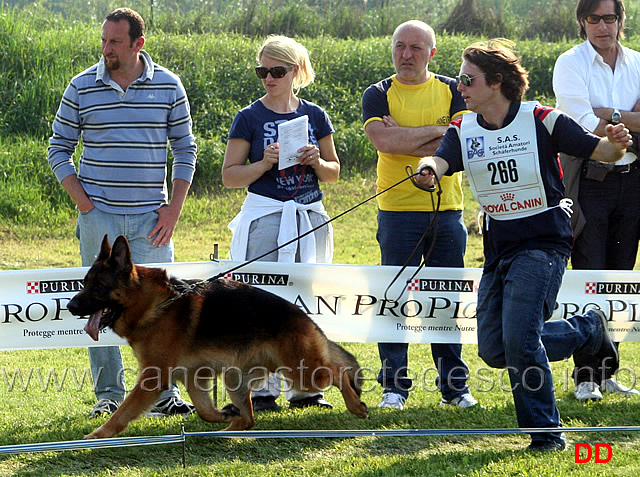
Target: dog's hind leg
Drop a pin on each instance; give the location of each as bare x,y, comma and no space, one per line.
238,389
351,398
199,391
347,378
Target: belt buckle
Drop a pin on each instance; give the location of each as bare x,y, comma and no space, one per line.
627,168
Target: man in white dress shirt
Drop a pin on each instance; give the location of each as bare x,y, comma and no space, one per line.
598,83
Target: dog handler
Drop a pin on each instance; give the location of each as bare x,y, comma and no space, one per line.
509,150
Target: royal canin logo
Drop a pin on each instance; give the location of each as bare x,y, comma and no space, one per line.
507,196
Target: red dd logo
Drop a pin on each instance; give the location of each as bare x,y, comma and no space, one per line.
581,458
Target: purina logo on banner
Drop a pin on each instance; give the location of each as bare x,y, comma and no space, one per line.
33,288
259,279
54,286
612,288
431,285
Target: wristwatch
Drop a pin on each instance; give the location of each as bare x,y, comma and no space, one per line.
615,116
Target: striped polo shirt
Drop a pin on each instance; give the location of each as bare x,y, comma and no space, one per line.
123,166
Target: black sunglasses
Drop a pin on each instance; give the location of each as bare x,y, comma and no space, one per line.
276,71
595,19
466,79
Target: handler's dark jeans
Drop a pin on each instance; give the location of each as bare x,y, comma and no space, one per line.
398,234
514,300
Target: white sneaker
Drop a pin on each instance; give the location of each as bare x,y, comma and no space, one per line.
104,407
611,385
392,401
466,400
171,406
587,391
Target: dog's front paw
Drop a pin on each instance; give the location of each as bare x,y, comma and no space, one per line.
364,410
93,435
100,433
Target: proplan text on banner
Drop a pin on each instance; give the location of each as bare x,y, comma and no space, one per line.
347,301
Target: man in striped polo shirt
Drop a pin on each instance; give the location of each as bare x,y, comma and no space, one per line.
124,108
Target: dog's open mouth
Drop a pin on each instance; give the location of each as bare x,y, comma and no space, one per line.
98,321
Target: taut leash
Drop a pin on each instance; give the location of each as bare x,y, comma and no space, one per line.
433,225
410,176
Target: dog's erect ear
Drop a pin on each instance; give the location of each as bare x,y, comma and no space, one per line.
121,255
105,250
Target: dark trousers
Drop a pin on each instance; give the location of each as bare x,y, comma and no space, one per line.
398,233
609,240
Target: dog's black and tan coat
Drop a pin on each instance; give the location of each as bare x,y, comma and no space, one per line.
220,327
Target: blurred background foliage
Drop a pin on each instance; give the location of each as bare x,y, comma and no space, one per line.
550,20
211,45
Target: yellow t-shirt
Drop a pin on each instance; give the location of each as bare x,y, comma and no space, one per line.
435,102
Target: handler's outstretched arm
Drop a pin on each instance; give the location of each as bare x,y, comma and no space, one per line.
612,147
427,167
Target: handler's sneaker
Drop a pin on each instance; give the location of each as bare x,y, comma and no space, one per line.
171,406
464,401
104,407
548,446
612,385
392,401
586,391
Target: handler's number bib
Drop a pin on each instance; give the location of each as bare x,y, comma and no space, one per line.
503,166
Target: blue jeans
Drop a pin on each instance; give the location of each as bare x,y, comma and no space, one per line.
106,361
398,234
514,300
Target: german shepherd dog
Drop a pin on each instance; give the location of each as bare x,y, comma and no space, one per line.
217,327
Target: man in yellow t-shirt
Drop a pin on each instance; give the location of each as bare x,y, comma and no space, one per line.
405,117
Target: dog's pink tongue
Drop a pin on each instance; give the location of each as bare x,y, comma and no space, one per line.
92,328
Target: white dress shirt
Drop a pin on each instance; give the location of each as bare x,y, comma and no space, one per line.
583,81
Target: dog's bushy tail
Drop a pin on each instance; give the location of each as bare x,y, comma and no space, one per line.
346,360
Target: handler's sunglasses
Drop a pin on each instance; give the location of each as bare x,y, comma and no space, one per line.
595,19
466,79
276,71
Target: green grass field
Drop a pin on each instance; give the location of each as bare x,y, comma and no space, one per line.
46,394
40,403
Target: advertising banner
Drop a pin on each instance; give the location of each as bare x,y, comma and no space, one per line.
347,301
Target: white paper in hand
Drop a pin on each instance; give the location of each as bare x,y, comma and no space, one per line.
292,135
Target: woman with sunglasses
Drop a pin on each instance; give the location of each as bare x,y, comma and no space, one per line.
509,150
281,204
